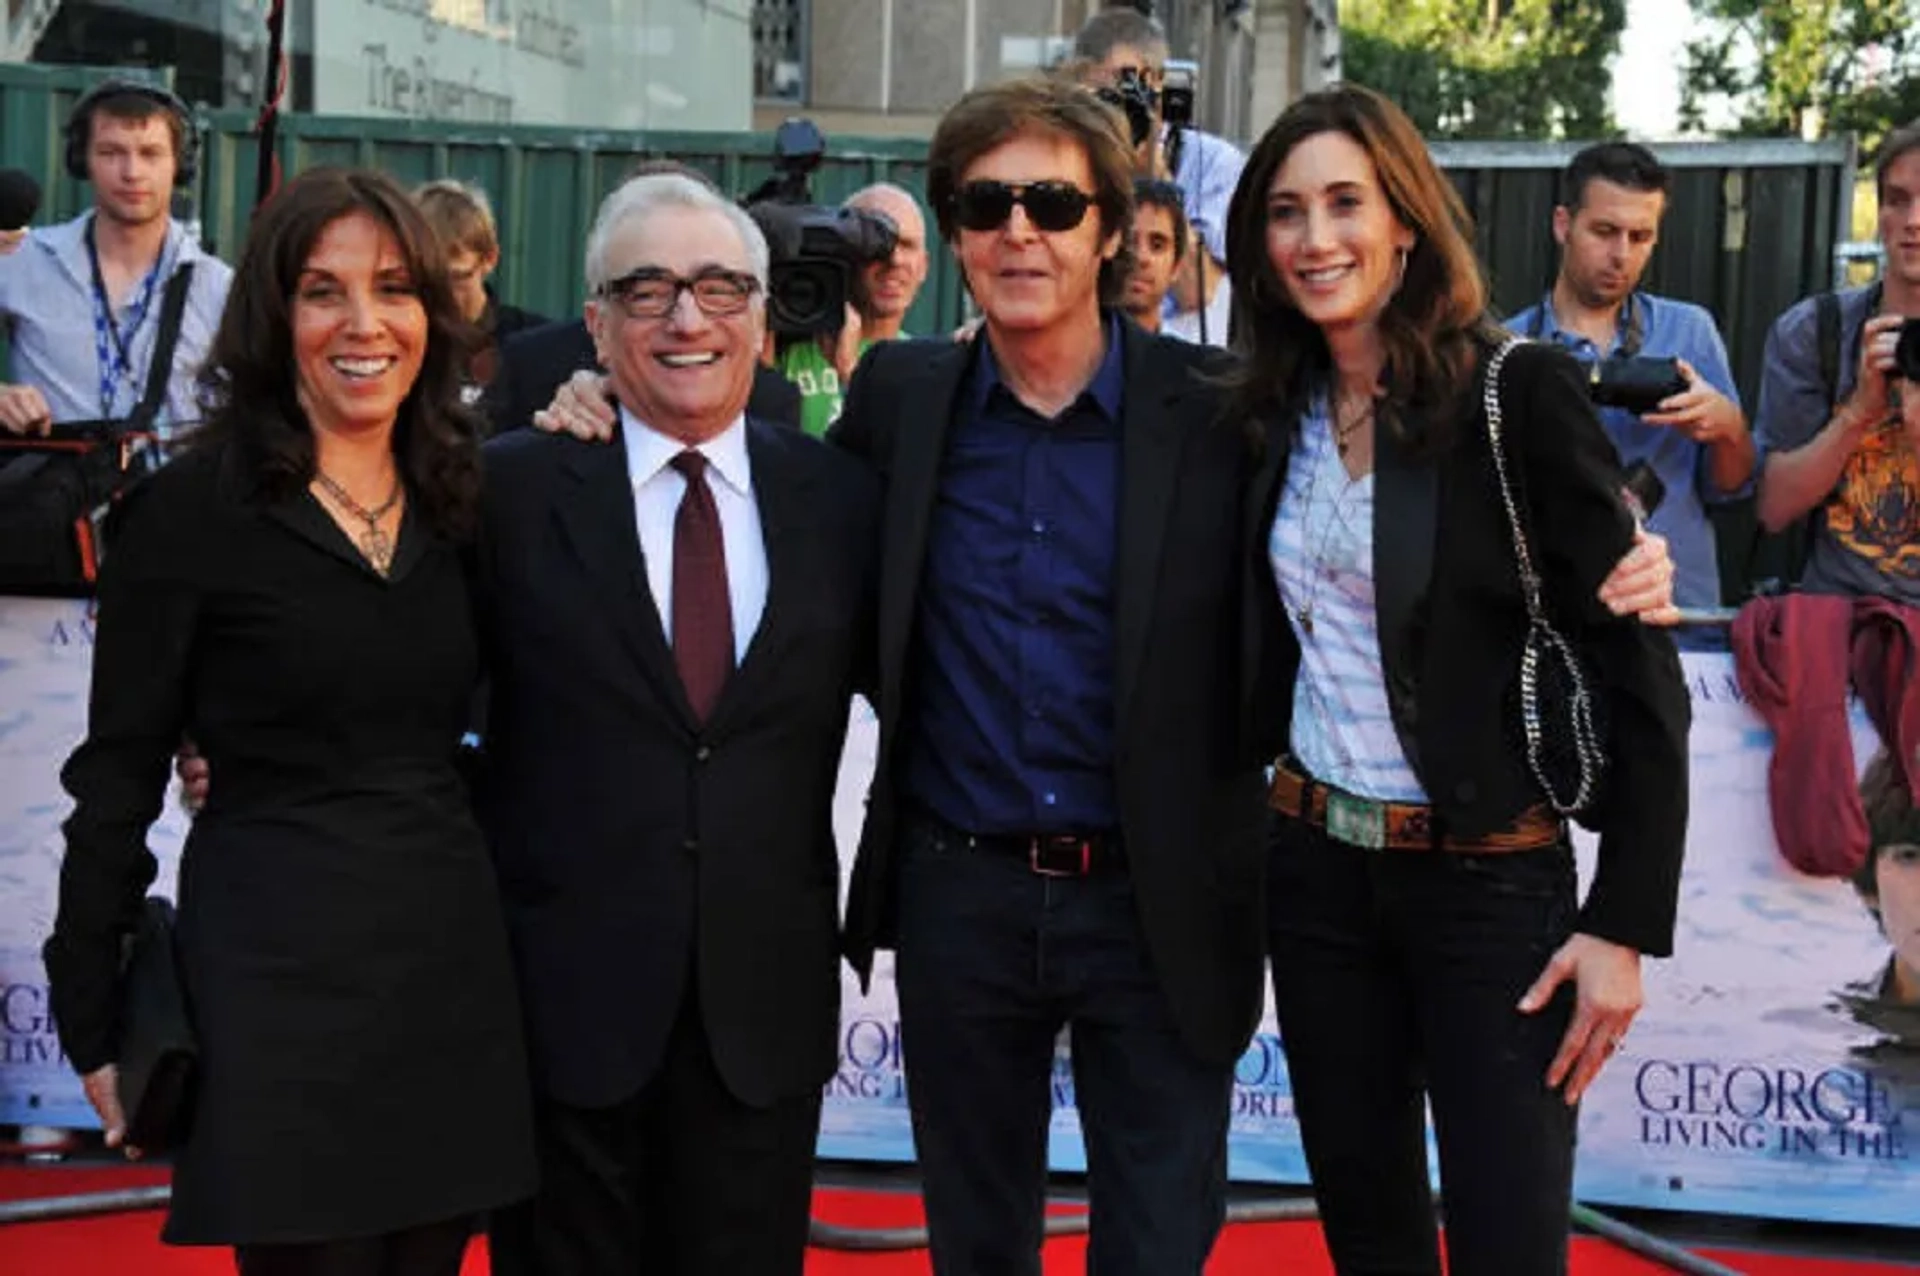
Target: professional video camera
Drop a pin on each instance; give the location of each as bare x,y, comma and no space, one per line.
816,253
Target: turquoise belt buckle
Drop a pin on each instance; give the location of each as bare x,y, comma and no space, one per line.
1356,821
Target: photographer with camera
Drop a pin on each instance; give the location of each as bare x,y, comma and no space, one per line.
1660,371
1122,54
1839,413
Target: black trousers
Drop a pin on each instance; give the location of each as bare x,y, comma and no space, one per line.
681,1179
993,961
1396,975
433,1249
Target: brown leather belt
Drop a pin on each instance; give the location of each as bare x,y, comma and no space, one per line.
1399,826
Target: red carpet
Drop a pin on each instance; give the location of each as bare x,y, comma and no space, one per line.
116,1244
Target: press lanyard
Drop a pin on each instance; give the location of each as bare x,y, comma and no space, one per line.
111,346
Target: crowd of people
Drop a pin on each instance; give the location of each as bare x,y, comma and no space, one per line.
1194,665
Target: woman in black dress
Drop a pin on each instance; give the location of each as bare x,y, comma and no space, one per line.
290,595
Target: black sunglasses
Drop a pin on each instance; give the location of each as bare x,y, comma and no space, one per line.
1052,206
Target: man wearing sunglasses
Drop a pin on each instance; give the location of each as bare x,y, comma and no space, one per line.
1066,826
1058,834
675,623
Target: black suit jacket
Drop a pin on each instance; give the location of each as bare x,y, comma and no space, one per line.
1191,796
1452,620
535,362
637,849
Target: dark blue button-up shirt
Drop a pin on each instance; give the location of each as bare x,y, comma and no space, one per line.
1014,651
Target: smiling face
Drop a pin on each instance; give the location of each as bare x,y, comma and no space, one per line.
891,285
1332,238
359,328
687,373
1025,279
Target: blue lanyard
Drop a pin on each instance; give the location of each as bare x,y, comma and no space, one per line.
111,346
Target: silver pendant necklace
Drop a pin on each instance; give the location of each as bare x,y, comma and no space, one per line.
375,545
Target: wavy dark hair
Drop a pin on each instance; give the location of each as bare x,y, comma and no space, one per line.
1433,327
249,382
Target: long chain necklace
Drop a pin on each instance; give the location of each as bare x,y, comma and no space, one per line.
374,542
1345,426
1318,565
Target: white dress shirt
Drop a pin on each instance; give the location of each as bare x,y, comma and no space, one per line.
657,489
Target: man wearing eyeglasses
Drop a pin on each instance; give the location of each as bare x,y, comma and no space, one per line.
675,625
1065,829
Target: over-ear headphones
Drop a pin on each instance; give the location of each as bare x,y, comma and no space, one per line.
80,126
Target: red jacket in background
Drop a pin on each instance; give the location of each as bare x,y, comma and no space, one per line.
1796,656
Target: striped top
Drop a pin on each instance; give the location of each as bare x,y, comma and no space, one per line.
1321,552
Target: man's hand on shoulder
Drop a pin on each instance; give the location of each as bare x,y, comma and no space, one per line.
580,408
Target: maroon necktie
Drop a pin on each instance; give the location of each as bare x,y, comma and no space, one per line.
702,611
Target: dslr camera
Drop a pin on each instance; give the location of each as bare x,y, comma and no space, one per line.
815,253
1906,352
1136,100
1636,383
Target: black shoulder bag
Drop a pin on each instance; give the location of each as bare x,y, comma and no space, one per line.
55,491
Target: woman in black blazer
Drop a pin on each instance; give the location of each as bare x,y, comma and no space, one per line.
1426,941
290,594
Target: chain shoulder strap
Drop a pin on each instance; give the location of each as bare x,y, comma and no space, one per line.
1522,548
1557,710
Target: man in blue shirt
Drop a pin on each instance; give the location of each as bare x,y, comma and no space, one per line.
1065,827
81,301
1613,198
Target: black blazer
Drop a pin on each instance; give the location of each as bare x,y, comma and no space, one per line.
1452,621
535,362
1191,796
638,851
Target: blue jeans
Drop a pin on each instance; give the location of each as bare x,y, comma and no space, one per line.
1395,975
993,960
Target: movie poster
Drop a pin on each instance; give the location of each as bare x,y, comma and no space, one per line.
46,651
1775,1070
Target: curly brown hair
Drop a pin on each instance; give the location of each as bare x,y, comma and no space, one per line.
248,384
1433,327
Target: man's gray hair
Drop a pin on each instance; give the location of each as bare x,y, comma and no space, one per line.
639,197
1118,28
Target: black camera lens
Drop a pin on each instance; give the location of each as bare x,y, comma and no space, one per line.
1906,353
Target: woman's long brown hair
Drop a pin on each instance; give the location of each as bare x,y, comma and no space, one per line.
1432,326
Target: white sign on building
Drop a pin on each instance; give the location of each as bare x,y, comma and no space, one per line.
615,64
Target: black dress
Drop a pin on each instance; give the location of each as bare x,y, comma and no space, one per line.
341,935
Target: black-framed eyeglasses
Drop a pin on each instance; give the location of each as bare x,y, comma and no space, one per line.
652,293
1050,205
